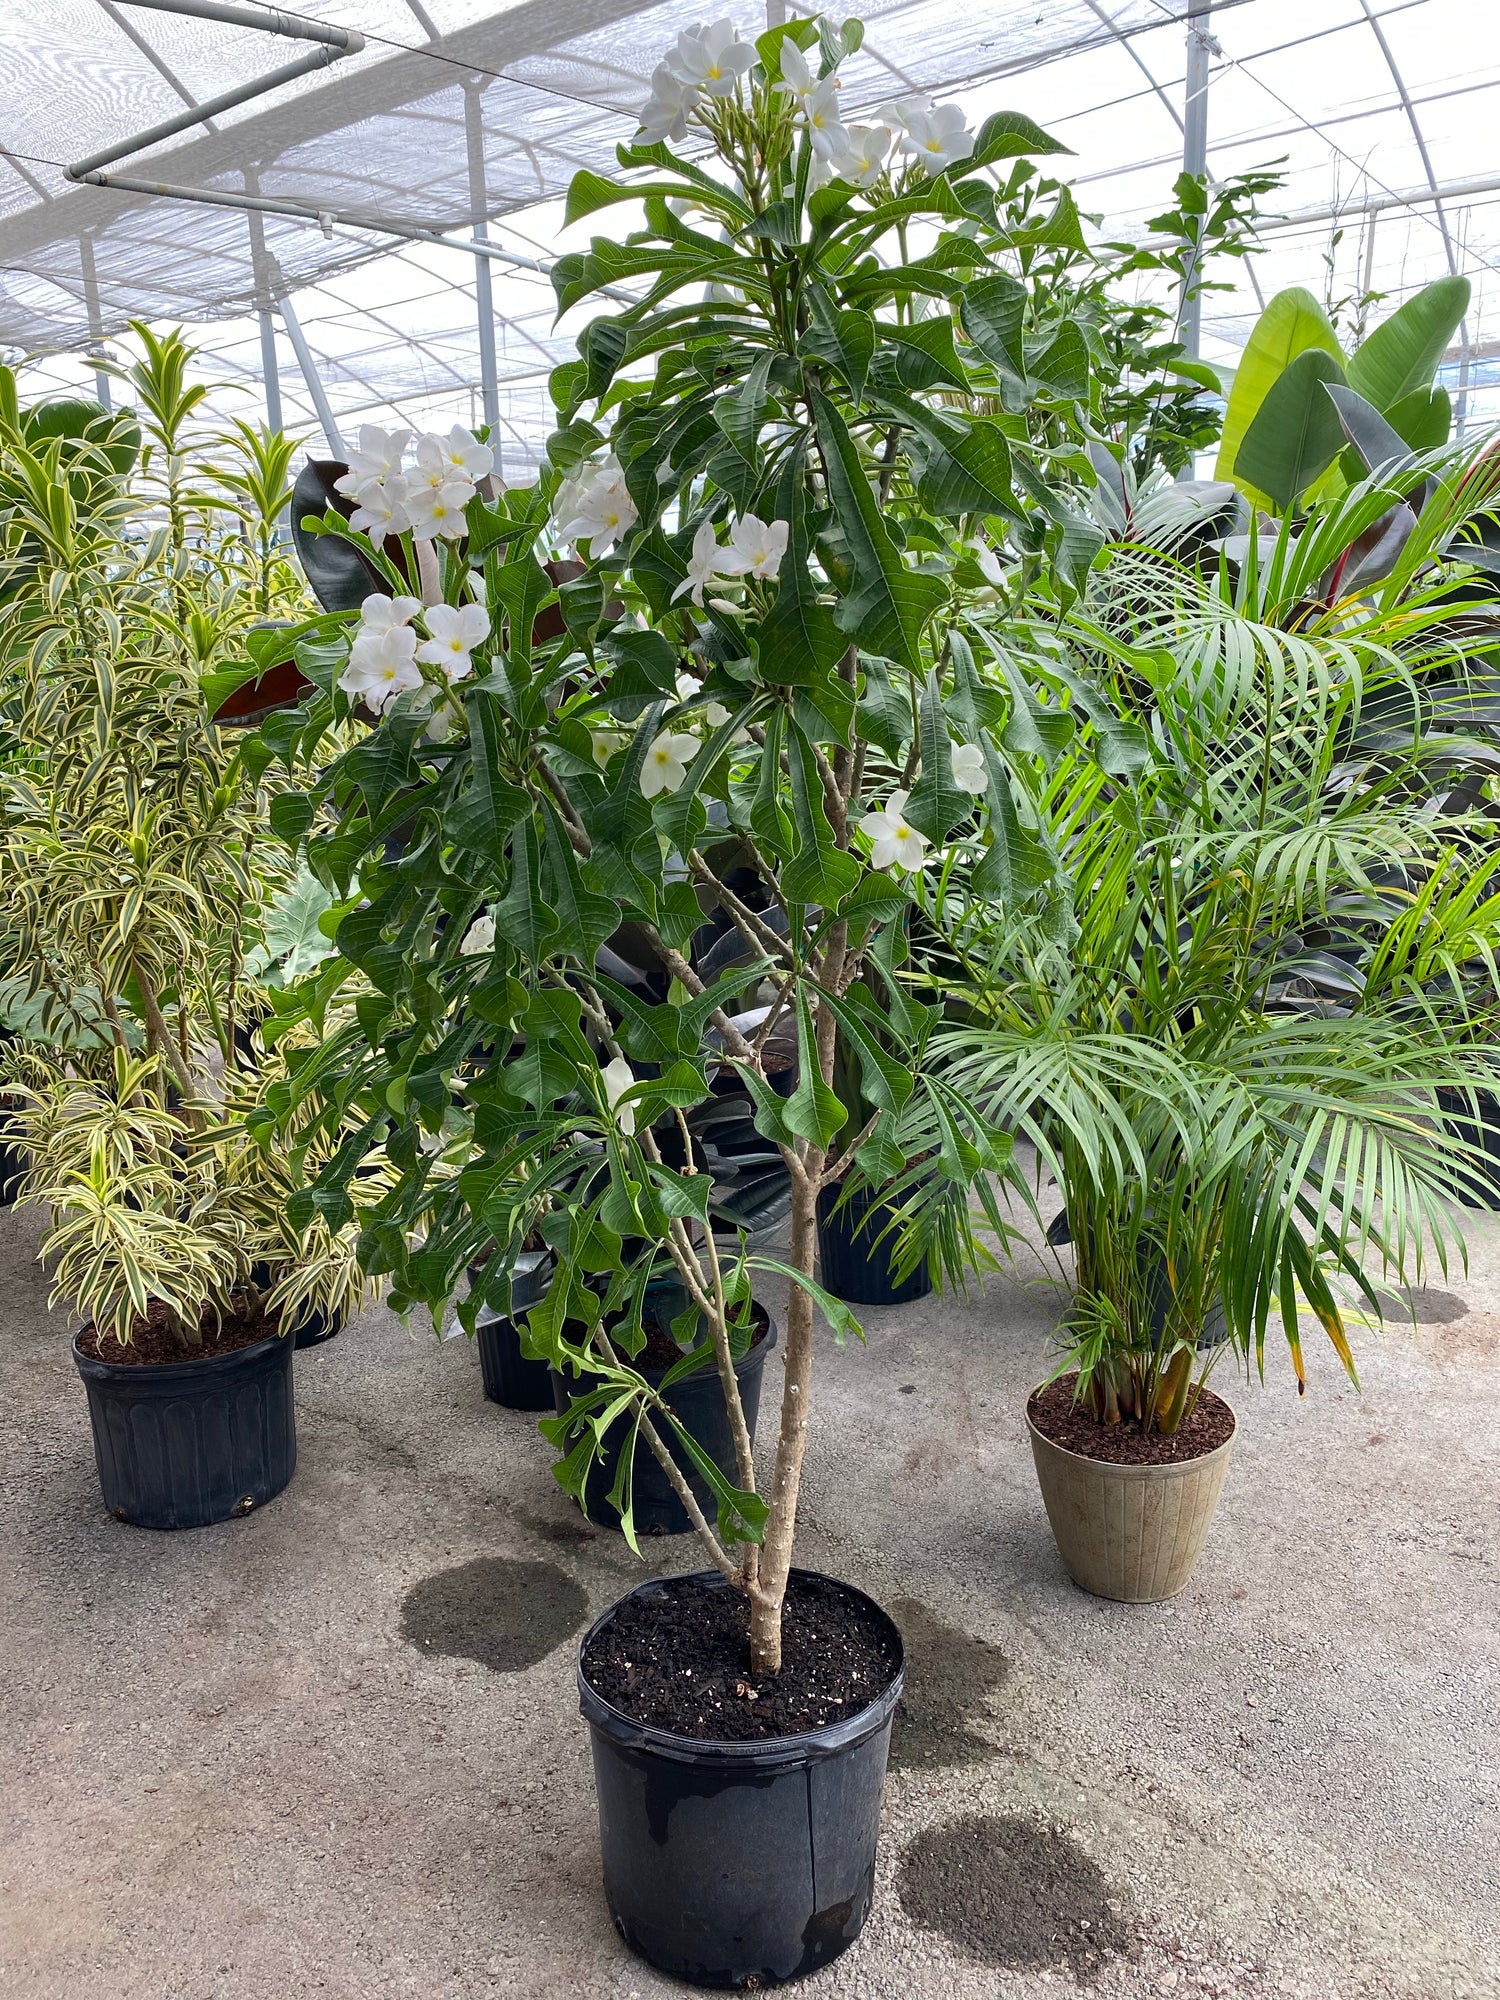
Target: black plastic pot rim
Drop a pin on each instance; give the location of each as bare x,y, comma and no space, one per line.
756,1354
167,1371
767,1753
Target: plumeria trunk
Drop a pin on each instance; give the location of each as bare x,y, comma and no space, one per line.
791,1443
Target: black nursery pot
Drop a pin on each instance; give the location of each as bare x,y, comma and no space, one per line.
510,1377
1482,1132
855,1267
739,1864
698,1403
13,1165
182,1444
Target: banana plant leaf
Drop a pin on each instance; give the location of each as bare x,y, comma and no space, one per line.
1403,352
1296,433
1292,323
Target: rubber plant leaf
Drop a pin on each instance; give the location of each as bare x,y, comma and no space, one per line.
1292,322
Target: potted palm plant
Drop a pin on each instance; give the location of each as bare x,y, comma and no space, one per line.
743,711
1276,962
133,880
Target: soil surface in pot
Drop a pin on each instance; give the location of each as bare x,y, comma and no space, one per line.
681,1661
152,1340
661,1350
1055,1415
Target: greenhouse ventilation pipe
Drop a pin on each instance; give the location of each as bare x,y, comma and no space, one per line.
333,44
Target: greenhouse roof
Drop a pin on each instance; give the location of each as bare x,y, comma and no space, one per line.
376,165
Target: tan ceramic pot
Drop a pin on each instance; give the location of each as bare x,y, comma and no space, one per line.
1131,1532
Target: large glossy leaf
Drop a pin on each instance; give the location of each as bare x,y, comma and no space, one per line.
1376,442
1404,351
1424,418
1296,433
890,603
936,804
1292,323
798,641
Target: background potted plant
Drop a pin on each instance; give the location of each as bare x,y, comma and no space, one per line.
739,717
1231,1056
133,881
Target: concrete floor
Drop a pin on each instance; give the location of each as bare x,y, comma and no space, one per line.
238,1763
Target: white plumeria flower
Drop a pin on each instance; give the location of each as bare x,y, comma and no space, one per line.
703,563
378,455
600,509
900,111
467,457
820,114
453,631
606,743
440,511
665,112
755,548
894,844
711,59
970,772
480,936
798,78
379,613
989,563
863,161
436,472
714,713
667,761
618,1077
936,138
380,508
381,665
442,722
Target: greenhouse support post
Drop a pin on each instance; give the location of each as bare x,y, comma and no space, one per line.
484,296
96,317
1195,160
311,376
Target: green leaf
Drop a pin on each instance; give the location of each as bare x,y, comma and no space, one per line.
521,586
798,640
1006,135
1423,420
601,346
837,1314
1063,364
993,312
521,917
936,804
822,872
884,714
1295,434
1292,323
1062,229
890,604
588,192
844,339
925,355
813,1111
486,810
1403,352
768,46
739,415
584,921
886,1082
769,820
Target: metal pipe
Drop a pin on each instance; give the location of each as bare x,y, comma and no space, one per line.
270,372
311,376
87,168
269,20
1195,162
1380,204
90,275
489,369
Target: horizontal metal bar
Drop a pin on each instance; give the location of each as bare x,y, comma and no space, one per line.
269,20
1380,204
309,211
195,114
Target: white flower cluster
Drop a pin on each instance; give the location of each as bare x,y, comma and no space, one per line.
755,549
703,62
427,498
595,506
709,62
388,654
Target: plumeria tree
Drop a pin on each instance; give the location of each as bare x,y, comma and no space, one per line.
668,817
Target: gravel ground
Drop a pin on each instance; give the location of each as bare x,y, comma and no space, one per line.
334,1749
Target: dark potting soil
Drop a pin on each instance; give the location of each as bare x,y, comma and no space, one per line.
681,1661
152,1340
1071,1425
662,1351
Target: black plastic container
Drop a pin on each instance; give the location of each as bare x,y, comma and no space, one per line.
738,1864
855,1267
1483,1132
510,1378
313,1328
698,1404
181,1444
14,1164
